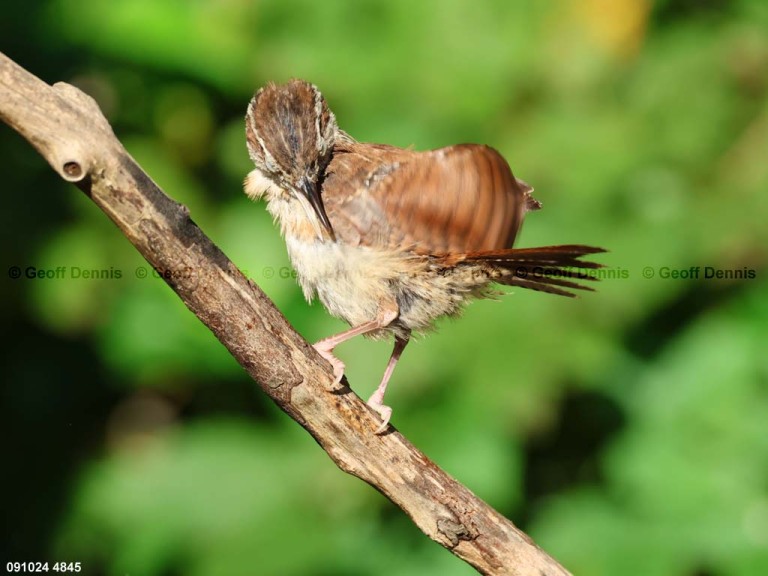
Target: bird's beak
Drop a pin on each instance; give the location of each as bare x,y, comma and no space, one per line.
311,193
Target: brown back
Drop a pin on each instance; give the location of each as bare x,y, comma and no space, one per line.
458,199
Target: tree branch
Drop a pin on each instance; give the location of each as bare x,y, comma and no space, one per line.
68,129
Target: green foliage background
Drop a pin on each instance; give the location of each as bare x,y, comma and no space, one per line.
627,431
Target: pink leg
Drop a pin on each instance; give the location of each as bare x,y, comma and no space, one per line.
376,401
326,345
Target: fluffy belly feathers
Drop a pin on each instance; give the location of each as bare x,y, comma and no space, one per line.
353,282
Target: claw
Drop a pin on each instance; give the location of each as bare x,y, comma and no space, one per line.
376,401
384,411
338,365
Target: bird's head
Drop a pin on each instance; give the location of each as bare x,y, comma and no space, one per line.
290,133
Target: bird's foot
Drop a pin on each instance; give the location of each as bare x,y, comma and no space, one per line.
384,411
327,352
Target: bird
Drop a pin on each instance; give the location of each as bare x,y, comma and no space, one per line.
392,239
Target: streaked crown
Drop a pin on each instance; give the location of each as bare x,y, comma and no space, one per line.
290,132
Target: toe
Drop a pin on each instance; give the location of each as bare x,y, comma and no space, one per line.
337,365
338,372
385,412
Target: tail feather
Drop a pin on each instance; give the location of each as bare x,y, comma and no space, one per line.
547,269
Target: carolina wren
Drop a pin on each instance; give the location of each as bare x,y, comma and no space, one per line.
391,239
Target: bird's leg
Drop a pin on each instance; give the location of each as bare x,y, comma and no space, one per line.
326,345
376,401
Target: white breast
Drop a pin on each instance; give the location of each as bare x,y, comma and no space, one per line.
350,281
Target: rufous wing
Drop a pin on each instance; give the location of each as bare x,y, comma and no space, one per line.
459,199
